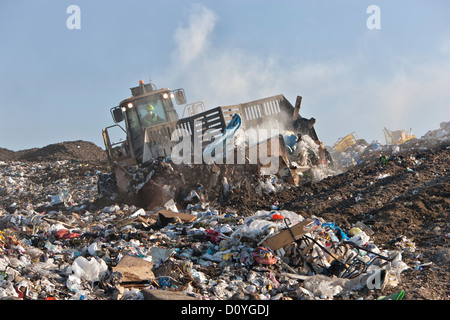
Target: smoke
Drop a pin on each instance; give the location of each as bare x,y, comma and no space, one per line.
344,94
193,40
419,90
215,74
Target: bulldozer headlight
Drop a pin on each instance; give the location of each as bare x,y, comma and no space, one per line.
165,95
124,109
172,95
130,105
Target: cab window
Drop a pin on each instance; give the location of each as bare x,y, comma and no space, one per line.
151,112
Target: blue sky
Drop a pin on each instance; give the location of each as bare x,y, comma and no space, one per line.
58,84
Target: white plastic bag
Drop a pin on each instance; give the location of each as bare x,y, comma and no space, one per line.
360,239
90,270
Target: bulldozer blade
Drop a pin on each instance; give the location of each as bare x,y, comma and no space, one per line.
153,195
122,180
265,149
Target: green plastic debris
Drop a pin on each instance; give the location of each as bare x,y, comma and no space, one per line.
395,296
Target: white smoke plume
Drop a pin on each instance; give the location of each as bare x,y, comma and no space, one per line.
192,40
339,93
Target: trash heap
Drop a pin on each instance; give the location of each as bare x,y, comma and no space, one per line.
60,239
39,186
309,159
442,134
362,152
359,153
57,243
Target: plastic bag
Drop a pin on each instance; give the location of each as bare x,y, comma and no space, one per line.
90,270
360,239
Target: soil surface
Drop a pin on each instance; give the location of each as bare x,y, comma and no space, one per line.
70,150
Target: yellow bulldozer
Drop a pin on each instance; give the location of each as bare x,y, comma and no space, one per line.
346,142
152,129
397,137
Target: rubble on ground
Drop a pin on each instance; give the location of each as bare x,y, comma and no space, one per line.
376,230
362,152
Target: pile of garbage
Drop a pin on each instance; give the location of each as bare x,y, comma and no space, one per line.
442,134
362,152
359,153
310,160
57,243
41,185
66,235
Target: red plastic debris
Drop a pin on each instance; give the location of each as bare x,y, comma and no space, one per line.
214,236
277,216
264,256
66,234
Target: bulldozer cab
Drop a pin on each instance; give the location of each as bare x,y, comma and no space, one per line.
146,108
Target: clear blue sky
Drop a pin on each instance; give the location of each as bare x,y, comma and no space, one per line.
58,84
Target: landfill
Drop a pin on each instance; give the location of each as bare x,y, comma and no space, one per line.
373,227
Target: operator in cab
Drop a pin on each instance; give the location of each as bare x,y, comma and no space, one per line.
151,118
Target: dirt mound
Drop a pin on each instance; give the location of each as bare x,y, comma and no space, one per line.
70,150
7,155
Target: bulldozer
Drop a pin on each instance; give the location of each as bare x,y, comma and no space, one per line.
153,129
346,142
397,137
